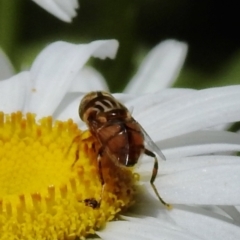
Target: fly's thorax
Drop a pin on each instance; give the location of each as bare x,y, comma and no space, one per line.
99,103
119,114
103,111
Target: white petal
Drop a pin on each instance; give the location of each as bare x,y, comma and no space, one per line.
190,112
211,185
233,212
57,66
200,142
146,101
183,164
13,92
205,226
6,67
69,6
143,229
134,216
197,222
88,79
229,149
160,68
124,98
64,10
69,107
214,209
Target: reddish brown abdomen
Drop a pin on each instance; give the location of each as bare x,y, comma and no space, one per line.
123,141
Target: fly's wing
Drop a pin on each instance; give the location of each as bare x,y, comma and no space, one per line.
152,145
114,140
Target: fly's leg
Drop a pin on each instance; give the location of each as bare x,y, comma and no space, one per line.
101,174
76,140
154,174
92,202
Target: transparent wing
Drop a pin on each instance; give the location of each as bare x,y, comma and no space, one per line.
152,145
114,139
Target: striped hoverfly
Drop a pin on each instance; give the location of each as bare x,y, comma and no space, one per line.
121,137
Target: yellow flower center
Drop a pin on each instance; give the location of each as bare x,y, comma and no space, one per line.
49,177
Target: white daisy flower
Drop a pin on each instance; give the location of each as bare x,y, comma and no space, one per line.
43,190
64,10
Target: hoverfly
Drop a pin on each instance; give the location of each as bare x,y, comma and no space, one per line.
120,136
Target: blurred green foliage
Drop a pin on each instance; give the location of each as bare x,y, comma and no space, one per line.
209,27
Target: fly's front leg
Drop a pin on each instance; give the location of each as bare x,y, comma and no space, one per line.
91,201
153,177
100,155
76,140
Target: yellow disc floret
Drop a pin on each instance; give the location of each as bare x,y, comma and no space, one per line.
48,174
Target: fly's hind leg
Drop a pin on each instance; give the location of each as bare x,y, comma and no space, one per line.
153,177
